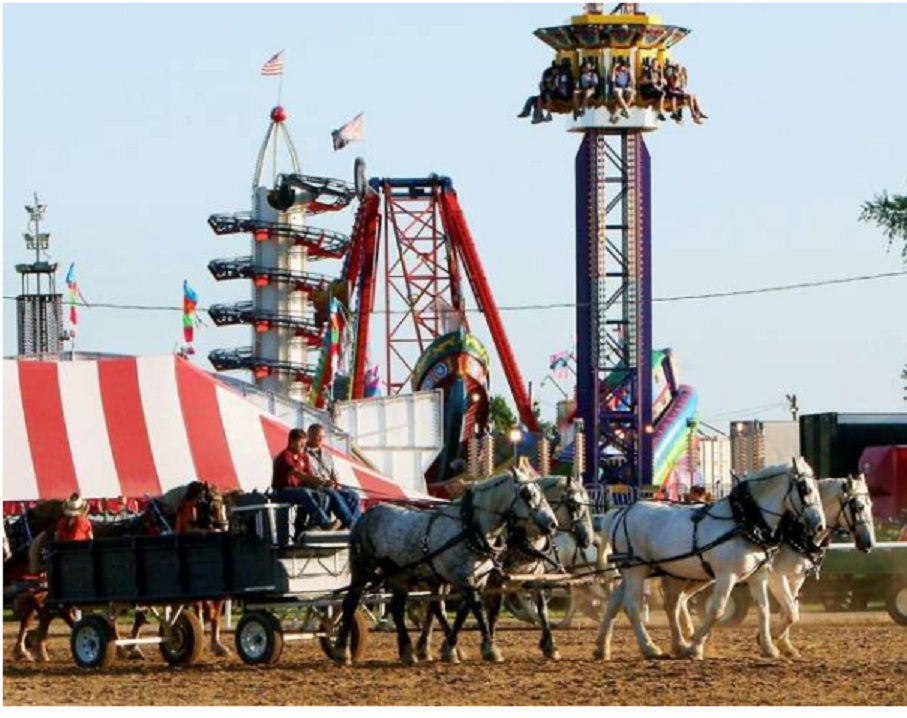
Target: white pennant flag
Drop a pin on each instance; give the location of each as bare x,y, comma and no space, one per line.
352,131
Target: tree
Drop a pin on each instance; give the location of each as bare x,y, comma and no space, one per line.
890,214
500,414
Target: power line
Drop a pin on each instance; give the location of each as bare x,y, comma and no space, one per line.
552,305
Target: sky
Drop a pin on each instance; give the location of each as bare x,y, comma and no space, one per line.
134,123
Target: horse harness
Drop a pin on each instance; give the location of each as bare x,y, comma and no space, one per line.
749,523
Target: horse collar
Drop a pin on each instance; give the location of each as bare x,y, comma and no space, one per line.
748,516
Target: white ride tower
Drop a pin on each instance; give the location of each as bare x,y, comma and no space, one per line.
286,329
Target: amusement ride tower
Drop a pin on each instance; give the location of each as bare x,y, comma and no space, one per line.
613,236
285,331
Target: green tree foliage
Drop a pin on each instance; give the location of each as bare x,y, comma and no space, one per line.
501,414
889,212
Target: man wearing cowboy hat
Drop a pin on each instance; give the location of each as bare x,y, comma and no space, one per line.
74,525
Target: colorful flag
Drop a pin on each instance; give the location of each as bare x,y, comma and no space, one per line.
372,381
75,296
190,301
274,66
560,364
352,131
331,350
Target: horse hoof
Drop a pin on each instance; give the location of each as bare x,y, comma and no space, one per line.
43,657
491,654
408,657
220,651
652,652
424,654
450,655
342,657
600,654
23,655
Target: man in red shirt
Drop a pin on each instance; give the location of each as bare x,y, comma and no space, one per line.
293,483
74,524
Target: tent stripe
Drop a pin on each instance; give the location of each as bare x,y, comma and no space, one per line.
17,456
248,452
164,418
207,438
126,427
40,388
83,413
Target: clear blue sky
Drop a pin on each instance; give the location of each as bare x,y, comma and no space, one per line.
135,122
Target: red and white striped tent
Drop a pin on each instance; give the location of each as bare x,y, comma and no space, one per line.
139,426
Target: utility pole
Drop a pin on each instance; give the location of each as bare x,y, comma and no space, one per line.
792,405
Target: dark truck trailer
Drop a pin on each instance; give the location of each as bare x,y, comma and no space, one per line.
832,443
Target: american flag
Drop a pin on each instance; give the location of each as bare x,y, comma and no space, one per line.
274,66
352,131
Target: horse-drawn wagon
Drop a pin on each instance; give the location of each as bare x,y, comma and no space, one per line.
254,564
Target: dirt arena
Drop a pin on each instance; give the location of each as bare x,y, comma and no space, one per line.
848,659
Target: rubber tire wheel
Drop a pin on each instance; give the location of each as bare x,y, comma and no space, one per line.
735,610
188,637
358,635
92,642
896,602
259,630
738,605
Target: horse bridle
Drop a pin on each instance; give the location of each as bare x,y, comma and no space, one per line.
851,500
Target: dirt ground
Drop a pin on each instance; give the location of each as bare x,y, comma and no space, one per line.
848,659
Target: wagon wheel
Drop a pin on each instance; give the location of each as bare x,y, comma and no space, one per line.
259,638
522,606
735,610
92,642
330,623
588,601
896,603
182,641
738,605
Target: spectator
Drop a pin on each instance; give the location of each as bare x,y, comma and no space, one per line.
588,85
623,87
292,483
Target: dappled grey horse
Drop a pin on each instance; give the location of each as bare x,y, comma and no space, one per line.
457,544
526,554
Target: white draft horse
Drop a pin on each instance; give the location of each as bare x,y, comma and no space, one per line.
847,507
724,542
456,544
526,554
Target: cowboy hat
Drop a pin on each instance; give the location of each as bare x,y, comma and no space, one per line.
74,507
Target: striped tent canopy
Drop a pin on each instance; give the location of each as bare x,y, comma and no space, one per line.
136,427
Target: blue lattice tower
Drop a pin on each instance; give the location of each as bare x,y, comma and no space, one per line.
613,237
